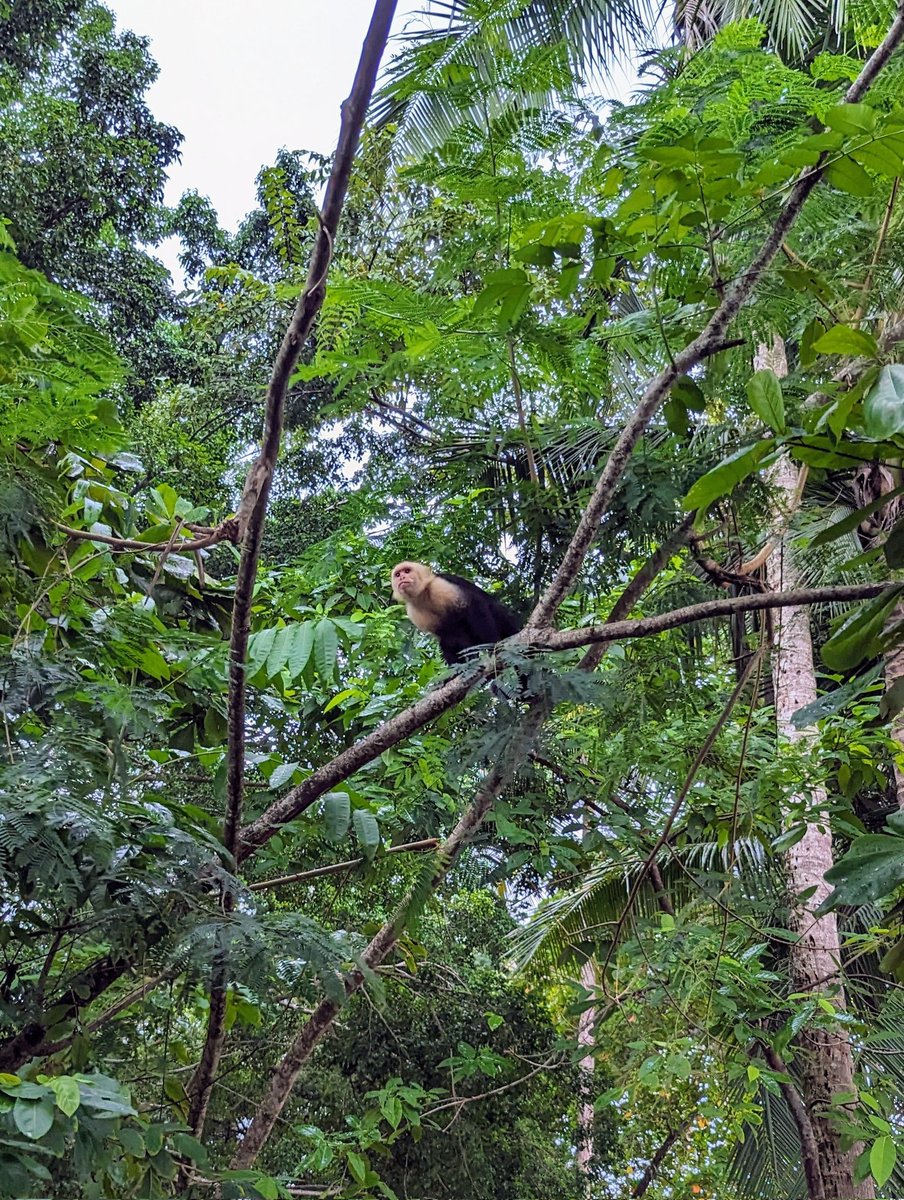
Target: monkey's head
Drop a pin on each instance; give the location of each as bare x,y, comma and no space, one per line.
409,579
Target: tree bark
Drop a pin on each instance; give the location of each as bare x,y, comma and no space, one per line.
824,1061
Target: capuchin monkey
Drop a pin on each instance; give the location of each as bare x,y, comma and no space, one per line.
457,612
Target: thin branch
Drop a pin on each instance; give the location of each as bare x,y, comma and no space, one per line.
570,639
880,242
519,407
338,868
253,506
658,1158
227,532
702,346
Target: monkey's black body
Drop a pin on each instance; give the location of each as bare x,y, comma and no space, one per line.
479,620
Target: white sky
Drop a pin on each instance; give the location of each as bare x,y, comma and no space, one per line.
241,78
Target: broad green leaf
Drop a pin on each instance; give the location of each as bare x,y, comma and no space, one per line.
833,702
882,1159
676,417
391,1108
33,1118
841,339
367,831
282,775
848,176
154,534
132,1142
357,1166
688,392
259,646
871,869
860,634
279,650
851,118
326,646
727,475
300,647
883,409
190,1147
765,395
337,810
66,1090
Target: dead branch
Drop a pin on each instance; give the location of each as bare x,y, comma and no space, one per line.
227,532
338,868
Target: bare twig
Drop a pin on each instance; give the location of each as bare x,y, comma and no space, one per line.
337,868
227,532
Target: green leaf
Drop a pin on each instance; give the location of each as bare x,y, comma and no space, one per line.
279,650
326,646
833,702
66,1091
367,831
851,118
727,475
848,176
688,392
300,648
259,646
765,395
337,811
859,636
883,409
282,775
132,1142
33,1118
841,339
357,1166
882,1159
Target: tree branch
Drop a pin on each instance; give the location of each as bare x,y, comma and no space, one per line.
570,639
227,532
337,868
256,493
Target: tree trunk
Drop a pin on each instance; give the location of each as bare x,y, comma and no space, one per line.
586,1040
824,1061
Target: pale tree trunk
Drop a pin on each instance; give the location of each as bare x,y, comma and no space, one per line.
823,1060
586,1040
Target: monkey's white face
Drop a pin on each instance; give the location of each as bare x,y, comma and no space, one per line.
408,579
